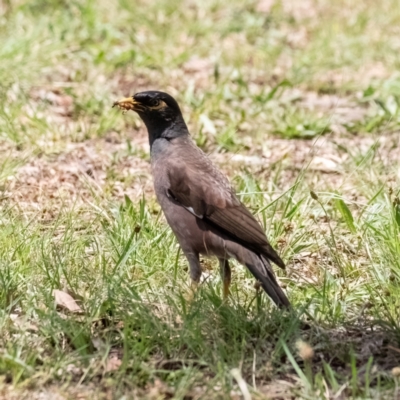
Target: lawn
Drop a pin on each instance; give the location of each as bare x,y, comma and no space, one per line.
298,102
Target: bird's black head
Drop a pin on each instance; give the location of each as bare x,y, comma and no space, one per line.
159,111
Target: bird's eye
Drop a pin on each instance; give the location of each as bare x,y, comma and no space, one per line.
155,103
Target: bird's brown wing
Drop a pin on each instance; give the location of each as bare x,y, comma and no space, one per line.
206,193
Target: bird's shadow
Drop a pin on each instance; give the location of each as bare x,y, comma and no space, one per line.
250,333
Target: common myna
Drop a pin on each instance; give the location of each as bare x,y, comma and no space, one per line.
198,201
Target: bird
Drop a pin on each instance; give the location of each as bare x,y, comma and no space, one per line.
198,201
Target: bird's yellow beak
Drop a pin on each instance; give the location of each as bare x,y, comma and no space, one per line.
129,103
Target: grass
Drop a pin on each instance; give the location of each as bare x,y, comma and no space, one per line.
256,81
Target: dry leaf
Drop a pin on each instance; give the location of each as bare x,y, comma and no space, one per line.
66,301
323,164
112,364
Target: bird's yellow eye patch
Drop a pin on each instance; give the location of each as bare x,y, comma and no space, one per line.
158,105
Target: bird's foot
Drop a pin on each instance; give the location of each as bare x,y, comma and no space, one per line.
191,293
225,291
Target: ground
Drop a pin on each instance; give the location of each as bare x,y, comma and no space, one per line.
297,102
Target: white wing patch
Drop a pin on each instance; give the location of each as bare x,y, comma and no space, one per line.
190,209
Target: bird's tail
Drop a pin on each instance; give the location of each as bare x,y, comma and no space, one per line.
261,269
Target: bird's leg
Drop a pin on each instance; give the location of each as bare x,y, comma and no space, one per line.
225,271
195,272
